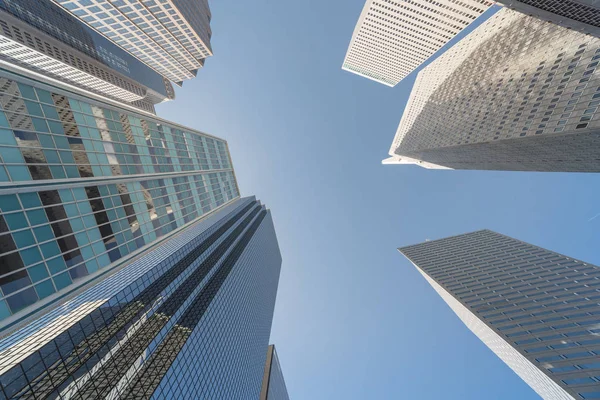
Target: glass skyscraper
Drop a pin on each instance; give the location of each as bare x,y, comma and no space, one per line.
537,310
130,268
40,36
86,186
129,265
191,318
273,386
171,36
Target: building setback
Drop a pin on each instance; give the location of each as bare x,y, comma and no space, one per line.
273,385
581,15
41,37
535,309
85,186
392,38
517,93
171,36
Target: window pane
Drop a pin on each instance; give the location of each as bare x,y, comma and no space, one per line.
22,300
14,282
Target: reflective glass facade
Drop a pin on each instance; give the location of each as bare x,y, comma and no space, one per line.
188,319
539,311
84,186
273,386
196,14
171,37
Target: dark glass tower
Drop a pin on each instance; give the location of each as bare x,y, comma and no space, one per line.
273,386
189,319
537,310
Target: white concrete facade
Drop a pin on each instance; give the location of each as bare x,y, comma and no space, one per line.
435,74
392,38
395,159
516,94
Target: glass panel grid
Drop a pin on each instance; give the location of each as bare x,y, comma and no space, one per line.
180,320
543,304
52,238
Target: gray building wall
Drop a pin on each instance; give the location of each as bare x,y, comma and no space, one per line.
581,15
515,94
537,310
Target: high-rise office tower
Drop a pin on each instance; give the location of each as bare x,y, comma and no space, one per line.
129,265
41,37
581,15
517,93
171,36
273,385
535,309
190,319
86,185
392,38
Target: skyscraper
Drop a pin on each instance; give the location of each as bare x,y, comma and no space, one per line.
171,36
87,185
517,93
392,38
129,265
535,309
188,319
273,385
581,15
39,36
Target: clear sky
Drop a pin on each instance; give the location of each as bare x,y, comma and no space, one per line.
354,319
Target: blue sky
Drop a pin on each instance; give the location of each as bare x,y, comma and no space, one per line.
354,320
